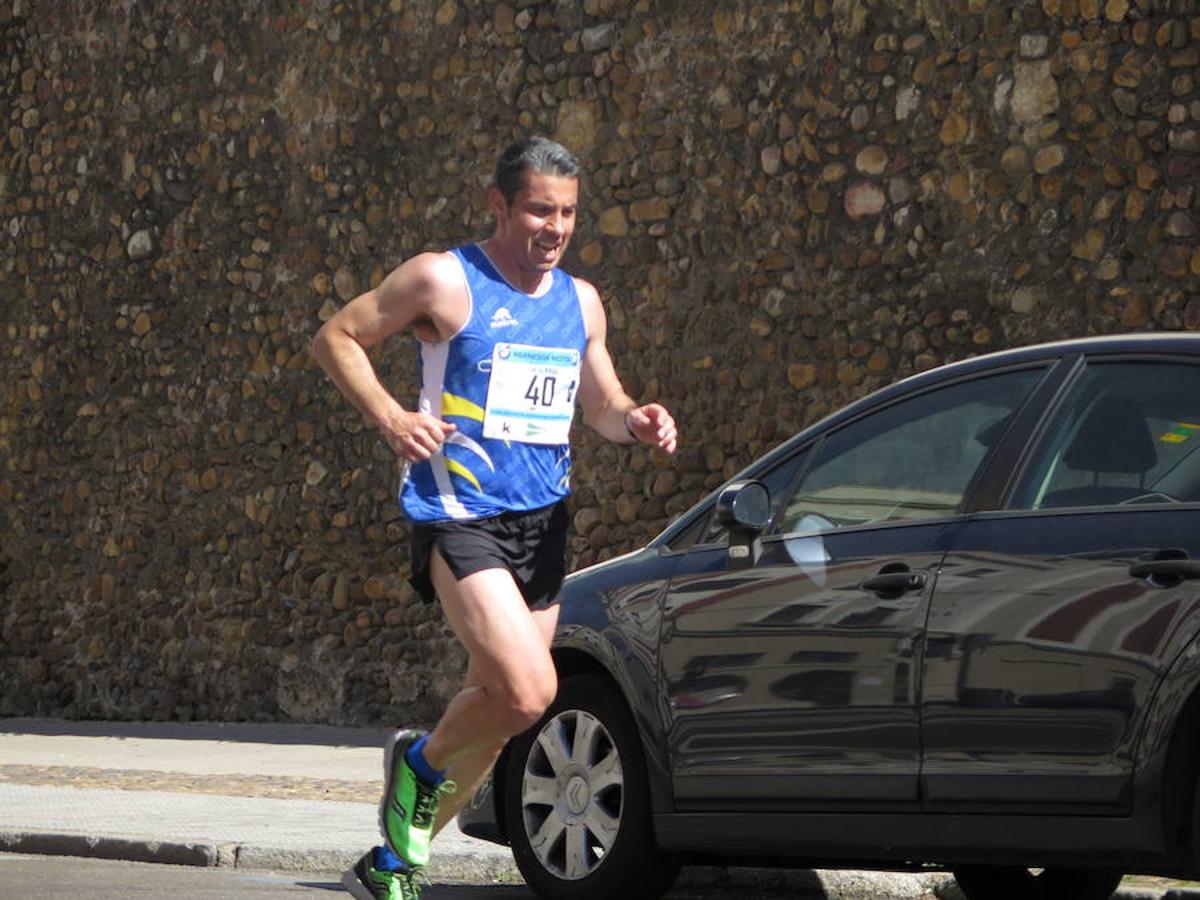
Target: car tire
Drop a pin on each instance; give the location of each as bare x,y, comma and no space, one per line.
1054,883
577,805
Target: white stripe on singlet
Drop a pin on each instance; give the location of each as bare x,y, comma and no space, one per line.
433,363
434,358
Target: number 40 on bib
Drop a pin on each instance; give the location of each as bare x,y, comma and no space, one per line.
531,394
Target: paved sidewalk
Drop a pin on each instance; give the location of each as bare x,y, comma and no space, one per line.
284,797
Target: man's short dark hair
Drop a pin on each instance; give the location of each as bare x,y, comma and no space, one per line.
532,154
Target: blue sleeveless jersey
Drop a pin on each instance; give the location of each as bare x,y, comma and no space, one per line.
473,476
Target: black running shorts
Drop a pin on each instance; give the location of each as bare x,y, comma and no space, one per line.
531,545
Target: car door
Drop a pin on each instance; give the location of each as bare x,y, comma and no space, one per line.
1054,619
804,664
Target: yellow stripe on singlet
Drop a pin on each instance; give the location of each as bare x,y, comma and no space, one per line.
457,468
453,405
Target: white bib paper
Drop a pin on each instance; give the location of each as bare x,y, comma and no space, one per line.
531,394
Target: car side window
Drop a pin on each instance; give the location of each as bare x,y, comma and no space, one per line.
914,459
1128,432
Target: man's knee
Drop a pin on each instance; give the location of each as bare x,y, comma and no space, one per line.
523,703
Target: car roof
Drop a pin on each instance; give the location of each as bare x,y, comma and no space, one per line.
1158,343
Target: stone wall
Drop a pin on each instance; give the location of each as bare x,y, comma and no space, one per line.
787,205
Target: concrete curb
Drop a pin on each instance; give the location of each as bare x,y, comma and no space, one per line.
449,866
453,866
457,867
96,847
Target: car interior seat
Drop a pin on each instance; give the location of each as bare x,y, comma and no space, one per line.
1113,439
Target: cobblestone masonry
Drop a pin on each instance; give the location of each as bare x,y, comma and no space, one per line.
787,205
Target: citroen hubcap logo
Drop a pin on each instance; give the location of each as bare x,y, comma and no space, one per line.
577,795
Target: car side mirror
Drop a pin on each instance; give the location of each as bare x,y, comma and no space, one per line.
744,508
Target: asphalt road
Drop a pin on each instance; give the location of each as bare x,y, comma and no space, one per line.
38,877
25,877
42,877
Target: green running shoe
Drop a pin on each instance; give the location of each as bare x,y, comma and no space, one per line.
366,882
408,807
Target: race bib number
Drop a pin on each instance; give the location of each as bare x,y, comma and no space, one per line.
531,394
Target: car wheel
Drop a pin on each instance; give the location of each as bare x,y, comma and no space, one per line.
1007,882
577,804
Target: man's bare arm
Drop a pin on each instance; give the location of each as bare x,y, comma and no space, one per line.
606,406
425,294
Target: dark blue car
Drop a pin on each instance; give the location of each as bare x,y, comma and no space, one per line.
952,625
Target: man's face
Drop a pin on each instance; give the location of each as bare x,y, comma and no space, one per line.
537,225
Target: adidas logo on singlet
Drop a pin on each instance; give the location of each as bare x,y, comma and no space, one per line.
503,319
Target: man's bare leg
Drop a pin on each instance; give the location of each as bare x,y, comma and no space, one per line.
468,772
510,675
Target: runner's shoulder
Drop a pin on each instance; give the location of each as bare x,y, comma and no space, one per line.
586,289
429,280
431,270
590,305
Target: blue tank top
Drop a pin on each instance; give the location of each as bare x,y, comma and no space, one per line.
474,476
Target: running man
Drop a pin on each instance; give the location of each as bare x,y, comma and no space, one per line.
509,345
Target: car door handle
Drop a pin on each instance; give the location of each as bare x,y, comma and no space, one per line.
1166,568
894,583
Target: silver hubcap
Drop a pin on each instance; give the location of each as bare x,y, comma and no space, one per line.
571,794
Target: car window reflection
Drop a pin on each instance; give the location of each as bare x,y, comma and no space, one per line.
912,460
